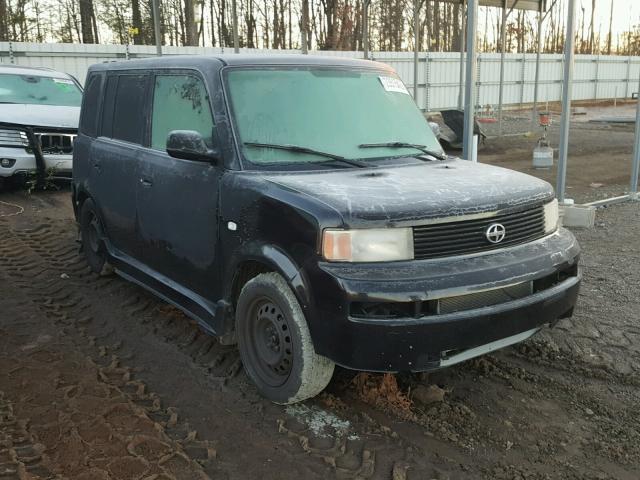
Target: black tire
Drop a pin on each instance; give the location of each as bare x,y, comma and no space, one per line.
275,344
91,233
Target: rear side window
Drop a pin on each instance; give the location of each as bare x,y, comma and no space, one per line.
128,117
107,106
91,105
180,102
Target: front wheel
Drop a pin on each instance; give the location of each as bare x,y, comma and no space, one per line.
93,246
275,344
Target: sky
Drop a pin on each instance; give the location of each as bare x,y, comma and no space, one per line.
625,13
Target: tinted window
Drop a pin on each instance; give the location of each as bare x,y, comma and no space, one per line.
107,106
128,118
180,102
91,105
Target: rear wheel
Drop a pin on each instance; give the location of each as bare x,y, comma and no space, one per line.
275,343
93,246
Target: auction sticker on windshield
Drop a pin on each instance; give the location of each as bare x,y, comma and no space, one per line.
392,84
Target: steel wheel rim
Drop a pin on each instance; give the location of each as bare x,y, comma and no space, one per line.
270,346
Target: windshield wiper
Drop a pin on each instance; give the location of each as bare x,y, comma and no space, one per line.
423,148
310,151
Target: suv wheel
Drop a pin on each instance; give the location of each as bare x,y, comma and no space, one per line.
93,246
275,343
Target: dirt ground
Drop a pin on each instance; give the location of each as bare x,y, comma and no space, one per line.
101,380
600,153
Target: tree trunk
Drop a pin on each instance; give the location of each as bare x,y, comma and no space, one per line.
191,33
86,17
136,22
4,21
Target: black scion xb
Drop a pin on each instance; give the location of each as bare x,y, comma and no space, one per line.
302,207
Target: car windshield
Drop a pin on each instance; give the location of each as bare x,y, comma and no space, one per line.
330,110
39,90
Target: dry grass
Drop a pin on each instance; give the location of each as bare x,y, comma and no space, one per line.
383,392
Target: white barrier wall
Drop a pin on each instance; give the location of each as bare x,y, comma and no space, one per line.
596,76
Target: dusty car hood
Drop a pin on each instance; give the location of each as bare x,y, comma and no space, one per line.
405,194
40,115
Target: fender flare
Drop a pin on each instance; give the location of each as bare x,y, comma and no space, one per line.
275,259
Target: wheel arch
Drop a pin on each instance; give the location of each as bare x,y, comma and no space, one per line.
257,259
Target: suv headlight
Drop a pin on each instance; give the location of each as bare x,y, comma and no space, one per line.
368,245
551,216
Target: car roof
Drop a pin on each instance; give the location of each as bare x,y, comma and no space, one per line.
203,61
33,71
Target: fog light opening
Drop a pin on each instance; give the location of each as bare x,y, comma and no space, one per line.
7,162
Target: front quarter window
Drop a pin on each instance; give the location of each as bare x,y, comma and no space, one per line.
180,102
330,110
39,90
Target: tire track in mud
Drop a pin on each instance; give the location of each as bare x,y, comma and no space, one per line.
443,440
20,455
44,261
60,306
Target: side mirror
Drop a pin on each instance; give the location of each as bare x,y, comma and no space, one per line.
189,145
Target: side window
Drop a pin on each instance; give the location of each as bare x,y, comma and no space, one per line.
128,117
106,126
91,105
180,102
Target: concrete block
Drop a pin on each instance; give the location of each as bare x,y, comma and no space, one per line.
583,216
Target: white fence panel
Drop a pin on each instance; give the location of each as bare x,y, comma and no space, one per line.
596,76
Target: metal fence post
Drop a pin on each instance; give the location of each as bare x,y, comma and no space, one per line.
156,26
469,100
461,68
537,77
635,167
595,90
567,91
11,57
427,81
503,44
416,46
628,79
522,77
477,80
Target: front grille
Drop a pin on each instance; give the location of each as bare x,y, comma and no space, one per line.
56,143
487,298
470,301
13,138
469,236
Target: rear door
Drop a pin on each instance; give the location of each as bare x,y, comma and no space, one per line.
114,158
177,199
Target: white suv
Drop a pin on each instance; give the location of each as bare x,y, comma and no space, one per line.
39,113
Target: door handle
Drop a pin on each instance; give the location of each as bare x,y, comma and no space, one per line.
145,183
97,167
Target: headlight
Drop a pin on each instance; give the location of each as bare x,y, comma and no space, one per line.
368,245
551,216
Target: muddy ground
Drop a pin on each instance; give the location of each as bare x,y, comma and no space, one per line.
99,380
600,153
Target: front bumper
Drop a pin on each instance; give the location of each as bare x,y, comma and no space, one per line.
425,342
25,162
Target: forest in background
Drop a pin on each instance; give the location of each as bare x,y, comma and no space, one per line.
331,25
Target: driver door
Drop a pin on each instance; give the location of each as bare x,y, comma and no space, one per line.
177,199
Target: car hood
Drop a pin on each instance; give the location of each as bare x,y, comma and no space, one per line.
407,194
40,115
